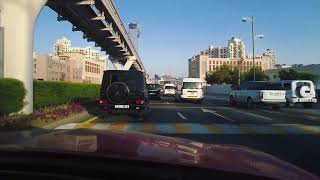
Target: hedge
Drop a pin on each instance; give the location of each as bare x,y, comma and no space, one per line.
49,93
12,94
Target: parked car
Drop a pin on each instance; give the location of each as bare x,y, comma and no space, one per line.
169,90
125,92
154,91
300,92
259,92
192,90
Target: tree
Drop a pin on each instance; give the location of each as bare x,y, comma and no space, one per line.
293,74
290,74
225,74
260,75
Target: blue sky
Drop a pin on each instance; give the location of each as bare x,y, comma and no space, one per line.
174,30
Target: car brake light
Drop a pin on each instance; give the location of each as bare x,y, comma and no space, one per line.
103,102
139,102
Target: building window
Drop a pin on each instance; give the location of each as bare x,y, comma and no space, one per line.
35,66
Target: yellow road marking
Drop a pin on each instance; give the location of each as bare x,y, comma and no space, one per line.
212,129
182,128
278,129
309,129
246,129
117,127
149,128
87,123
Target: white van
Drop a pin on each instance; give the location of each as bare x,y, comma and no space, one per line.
169,89
300,91
192,89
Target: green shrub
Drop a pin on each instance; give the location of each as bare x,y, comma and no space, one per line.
12,94
48,93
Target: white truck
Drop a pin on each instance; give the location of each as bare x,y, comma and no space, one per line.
259,92
299,92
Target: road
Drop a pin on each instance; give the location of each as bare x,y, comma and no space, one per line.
291,134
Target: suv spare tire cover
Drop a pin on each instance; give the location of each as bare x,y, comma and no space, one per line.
305,91
118,92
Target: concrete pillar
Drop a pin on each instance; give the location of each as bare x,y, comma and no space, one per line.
18,18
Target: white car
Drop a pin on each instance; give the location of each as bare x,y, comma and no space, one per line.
191,90
169,90
259,92
300,92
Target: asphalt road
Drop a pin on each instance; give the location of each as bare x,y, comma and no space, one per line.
291,134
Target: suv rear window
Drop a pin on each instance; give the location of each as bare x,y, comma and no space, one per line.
268,86
168,87
153,86
132,80
191,85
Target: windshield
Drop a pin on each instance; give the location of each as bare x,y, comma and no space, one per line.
153,86
169,87
179,81
192,85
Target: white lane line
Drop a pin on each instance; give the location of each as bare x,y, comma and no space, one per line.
262,117
310,117
215,113
182,117
168,103
272,112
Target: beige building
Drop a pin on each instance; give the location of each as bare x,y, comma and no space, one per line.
76,65
49,69
200,64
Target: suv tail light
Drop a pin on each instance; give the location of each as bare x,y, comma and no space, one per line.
139,102
104,102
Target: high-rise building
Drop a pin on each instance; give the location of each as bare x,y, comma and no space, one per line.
134,34
235,46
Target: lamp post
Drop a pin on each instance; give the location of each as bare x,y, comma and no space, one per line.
254,37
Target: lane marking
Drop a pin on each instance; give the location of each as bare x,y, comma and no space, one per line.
197,128
272,112
181,116
262,117
310,117
87,123
215,113
182,128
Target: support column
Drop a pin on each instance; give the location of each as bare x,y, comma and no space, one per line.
18,18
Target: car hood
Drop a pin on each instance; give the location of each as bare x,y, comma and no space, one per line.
147,147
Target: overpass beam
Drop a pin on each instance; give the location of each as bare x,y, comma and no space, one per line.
18,42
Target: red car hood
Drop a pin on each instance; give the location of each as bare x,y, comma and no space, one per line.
170,150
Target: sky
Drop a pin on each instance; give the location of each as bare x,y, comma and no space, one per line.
172,31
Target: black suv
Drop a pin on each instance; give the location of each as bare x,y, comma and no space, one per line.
124,91
154,91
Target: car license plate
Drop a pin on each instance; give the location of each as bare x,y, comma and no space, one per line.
121,106
152,93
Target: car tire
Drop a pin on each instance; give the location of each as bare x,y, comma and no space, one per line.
232,101
307,105
250,103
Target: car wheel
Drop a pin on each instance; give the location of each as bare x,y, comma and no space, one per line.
232,101
250,103
307,105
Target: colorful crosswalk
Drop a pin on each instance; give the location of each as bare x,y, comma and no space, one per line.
196,128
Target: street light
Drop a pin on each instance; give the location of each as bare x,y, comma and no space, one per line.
251,19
